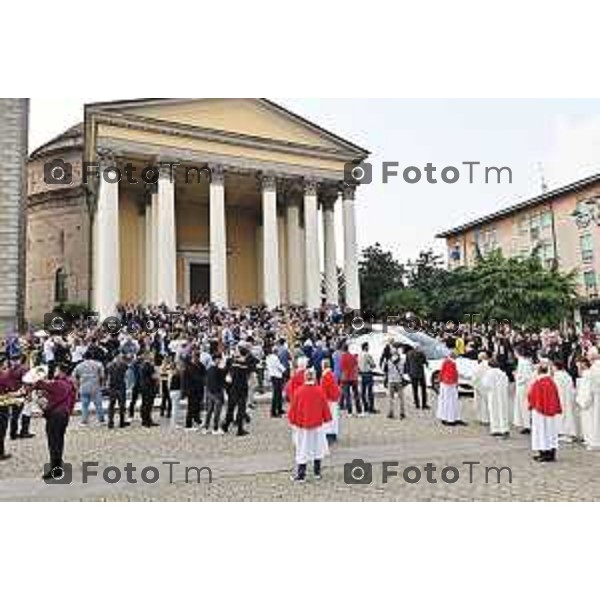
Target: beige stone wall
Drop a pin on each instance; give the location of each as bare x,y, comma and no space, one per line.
57,237
132,248
243,256
245,116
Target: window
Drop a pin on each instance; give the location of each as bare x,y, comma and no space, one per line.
524,226
587,247
61,293
487,240
547,252
589,280
546,220
455,253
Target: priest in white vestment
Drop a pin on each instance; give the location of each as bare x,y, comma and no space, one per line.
568,422
481,401
588,399
524,375
496,385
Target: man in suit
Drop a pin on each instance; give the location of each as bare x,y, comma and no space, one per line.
416,362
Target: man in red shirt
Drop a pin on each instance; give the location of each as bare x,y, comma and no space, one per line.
308,414
349,381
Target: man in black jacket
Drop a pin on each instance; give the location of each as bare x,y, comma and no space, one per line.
416,362
116,374
148,389
194,381
239,369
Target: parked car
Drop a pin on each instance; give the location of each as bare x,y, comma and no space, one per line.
434,351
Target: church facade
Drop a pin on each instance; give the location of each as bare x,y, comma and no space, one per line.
183,201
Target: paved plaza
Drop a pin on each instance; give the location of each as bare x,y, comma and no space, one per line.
257,467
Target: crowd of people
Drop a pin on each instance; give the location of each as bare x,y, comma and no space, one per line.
204,367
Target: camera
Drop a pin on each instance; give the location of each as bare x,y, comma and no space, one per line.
361,174
59,475
358,472
58,172
58,323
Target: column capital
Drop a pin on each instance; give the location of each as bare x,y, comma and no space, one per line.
106,158
311,187
349,193
217,174
329,196
167,171
268,182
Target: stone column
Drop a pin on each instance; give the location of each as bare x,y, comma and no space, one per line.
351,250
107,255
331,275
271,283
166,255
295,255
219,293
311,228
149,261
281,230
141,254
154,251
13,208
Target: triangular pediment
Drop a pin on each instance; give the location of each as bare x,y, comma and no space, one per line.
251,117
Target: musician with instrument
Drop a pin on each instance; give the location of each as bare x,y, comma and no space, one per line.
10,397
57,399
20,411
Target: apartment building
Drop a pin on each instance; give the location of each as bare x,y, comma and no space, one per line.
562,224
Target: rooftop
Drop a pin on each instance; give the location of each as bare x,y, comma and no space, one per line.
515,208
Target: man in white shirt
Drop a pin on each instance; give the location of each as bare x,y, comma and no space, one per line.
366,368
50,356
275,372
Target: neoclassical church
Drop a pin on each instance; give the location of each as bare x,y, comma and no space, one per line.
190,200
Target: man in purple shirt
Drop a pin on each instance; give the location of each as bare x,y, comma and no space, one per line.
60,395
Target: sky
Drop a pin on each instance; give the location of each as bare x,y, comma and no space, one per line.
556,141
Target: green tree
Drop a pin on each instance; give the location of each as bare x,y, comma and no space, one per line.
521,290
402,301
379,273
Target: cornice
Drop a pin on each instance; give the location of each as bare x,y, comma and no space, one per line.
160,127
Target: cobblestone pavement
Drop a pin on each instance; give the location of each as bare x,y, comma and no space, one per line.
257,467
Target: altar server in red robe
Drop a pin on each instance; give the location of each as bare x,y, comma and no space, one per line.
544,403
308,415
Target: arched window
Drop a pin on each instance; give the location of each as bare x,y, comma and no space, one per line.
61,293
